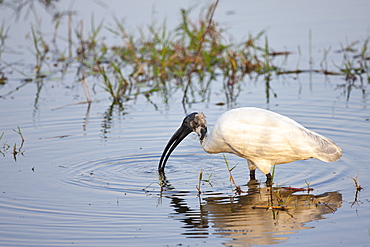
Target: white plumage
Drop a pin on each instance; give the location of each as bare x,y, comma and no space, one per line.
262,137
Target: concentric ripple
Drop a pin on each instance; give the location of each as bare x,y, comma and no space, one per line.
121,174
135,173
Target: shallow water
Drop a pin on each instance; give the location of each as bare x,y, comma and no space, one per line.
88,176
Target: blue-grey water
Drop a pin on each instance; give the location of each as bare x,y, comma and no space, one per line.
87,176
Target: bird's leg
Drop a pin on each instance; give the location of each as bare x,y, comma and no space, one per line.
252,174
252,170
252,179
268,179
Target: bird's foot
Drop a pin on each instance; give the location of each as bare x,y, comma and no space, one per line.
252,183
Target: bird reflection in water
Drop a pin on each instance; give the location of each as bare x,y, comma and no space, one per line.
251,218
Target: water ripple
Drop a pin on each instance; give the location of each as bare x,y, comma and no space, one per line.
120,174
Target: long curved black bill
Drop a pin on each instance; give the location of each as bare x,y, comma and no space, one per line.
175,140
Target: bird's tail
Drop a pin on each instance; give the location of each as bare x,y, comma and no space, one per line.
325,149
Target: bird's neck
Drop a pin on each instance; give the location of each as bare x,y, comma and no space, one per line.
202,133
212,143
204,139
207,143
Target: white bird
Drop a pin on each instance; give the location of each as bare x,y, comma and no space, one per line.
263,137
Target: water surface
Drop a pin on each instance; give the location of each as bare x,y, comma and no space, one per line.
88,175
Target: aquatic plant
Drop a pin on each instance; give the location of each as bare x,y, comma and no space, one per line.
41,50
190,58
3,34
238,190
358,189
16,150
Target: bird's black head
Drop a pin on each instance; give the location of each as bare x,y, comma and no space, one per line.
194,122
